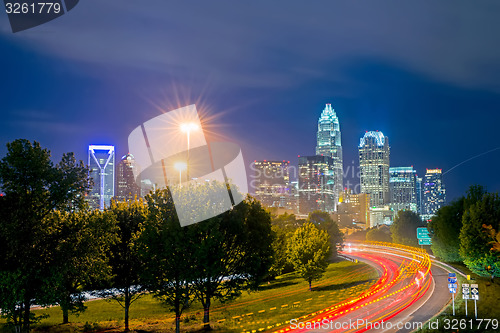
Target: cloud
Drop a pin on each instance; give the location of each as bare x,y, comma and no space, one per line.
279,43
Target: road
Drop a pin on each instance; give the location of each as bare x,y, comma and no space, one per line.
409,292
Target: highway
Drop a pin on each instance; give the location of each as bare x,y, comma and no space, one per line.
409,292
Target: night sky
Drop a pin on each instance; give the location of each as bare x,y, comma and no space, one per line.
425,73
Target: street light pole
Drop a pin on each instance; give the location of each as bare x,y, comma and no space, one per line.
188,127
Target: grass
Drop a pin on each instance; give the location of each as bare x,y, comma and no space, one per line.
487,305
275,303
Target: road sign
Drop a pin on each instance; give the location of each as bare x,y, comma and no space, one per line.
474,290
465,291
452,280
453,290
452,275
452,285
424,242
423,233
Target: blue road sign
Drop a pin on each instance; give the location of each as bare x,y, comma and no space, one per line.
453,290
452,275
452,285
452,280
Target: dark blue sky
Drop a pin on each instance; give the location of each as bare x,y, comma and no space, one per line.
427,74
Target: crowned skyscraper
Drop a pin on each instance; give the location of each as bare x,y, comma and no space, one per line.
329,144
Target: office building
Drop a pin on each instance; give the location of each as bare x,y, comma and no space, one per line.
329,144
419,195
374,154
101,161
353,210
126,185
271,183
316,184
403,188
434,193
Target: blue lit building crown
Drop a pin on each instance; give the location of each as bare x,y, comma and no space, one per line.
378,136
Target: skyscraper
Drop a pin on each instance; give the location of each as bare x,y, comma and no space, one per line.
329,144
126,186
419,195
374,154
271,183
102,171
316,184
403,188
434,193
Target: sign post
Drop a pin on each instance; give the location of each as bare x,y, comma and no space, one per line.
452,286
465,295
474,290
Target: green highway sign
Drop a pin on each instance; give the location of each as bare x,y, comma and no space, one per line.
423,233
424,242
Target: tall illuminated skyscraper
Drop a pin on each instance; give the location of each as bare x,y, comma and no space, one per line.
102,171
126,186
316,184
434,193
403,188
374,153
329,144
271,183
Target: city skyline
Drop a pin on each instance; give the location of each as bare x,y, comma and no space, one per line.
434,92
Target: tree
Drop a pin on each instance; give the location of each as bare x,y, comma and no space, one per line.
378,235
446,224
167,249
324,221
287,222
213,259
404,228
494,236
125,262
475,245
280,257
231,251
82,241
34,187
308,251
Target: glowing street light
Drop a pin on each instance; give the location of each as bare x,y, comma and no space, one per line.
188,128
179,166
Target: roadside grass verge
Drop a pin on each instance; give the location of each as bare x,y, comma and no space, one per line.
487,307
278,302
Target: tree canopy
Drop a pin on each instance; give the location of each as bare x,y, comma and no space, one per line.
445,226
34,187
404,228
475,243
308,251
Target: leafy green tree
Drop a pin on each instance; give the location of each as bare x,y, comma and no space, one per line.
494,236
404,228
34,187
125,262
230,252
167,248
83,239
287,222
446,224
280,257
475,245
308,251
324,221
378,235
